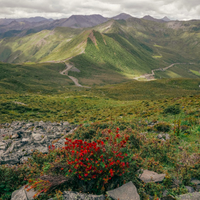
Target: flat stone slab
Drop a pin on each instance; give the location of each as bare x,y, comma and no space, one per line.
69,195
190,196
190,189
196,182
151,176
22,194
127,191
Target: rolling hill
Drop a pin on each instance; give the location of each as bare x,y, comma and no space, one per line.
35,78
121,49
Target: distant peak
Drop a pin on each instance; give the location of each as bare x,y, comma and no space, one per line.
148,17
122,16
166,19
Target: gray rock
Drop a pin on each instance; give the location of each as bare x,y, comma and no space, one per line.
65,123
189,196
190,189
11,160
22,194
2,131
150,176
15,136
51,136
197,184
37,137
19,195
41,123
165,193
24,159
195,181
163,136
29,125
29,137
25,140
68,195
125,192
1,153
3,146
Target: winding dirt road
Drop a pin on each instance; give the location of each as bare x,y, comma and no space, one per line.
151,76
75,80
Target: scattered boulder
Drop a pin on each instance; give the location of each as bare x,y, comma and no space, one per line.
163,136
22,194
197,184
127,191
68,195
151,176
195,181
189,196
190,189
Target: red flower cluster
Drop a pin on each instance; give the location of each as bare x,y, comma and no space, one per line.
96,159
100,160
52,147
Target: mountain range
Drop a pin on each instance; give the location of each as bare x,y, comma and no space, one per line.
122,47
23,26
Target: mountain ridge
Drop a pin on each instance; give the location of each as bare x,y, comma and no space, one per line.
127,48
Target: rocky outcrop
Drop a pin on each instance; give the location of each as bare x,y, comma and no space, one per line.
150,176
22,194
190,196
68,195
127,191
19,140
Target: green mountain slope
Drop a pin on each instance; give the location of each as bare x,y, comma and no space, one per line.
111,54
39,46
33,78
114,51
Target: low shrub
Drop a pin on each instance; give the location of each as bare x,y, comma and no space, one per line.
11,178
93,167
174,109
162,127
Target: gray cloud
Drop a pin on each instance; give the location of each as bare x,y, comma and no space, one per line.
179,9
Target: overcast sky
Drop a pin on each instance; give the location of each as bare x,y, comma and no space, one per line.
174,9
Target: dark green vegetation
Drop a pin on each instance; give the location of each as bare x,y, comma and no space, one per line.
177,116
43,78
92,104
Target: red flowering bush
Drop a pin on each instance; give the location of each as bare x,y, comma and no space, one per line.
89,166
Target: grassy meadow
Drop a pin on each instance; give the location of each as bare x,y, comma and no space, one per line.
118,119
132,110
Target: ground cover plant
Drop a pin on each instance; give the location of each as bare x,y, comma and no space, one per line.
108,123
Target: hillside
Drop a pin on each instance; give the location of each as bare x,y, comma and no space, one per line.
106,55
36,47
122,48
44,78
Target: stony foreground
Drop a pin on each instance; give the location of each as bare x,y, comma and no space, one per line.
19,140
127,191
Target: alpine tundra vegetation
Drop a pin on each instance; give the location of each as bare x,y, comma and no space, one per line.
100,108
